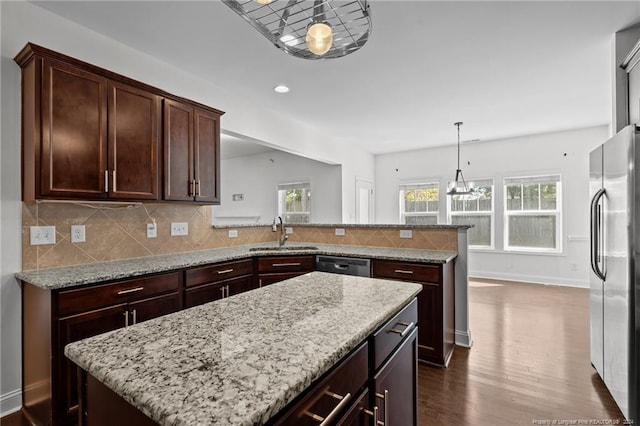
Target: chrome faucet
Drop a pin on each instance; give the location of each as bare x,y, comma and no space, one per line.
283,235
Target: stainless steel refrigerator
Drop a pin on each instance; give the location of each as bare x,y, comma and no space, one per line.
615,272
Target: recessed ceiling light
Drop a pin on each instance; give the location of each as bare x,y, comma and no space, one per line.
281,88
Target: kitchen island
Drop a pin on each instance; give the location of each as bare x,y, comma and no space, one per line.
251,358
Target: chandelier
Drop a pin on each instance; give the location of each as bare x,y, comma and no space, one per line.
459,186
309,29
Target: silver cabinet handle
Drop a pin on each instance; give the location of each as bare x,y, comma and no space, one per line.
227,287
131,290
198,186
106,181
373,414
407,328
113,180
325,421
286,264
225,271
192,190
385,400
222,290
260,283
403,271
133,313
126,318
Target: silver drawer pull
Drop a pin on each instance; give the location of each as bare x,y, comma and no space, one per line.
408,328
403,271
325,421
287,264
131,290
226,271
385,399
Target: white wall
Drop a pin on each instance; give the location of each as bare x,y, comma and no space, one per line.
566,153
257,178
22,22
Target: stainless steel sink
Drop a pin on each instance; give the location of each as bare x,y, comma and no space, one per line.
283,248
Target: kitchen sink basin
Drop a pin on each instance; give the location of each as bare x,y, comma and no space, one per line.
283,248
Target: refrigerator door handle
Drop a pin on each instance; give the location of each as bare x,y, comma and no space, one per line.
595,233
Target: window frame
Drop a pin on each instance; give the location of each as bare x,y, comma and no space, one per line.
428,184
557,213
491,213
298,184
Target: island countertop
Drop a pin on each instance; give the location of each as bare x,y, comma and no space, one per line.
240,360
71,276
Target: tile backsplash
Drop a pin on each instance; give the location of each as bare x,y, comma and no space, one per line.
115,232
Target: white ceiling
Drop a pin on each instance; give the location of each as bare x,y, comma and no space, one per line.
505,68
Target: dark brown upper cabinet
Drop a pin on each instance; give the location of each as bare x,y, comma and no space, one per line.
91,134
191,153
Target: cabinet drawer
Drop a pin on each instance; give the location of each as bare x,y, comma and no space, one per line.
334,394
88,298
406,271
393,332
286,264
218,272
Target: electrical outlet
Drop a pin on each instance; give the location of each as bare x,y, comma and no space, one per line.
179,229
78,234
340,231
40,235
406,233
152,230
233,233
288,230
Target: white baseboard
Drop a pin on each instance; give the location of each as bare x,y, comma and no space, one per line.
463,339
10,402
534,279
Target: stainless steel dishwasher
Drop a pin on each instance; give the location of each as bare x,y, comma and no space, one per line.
344,265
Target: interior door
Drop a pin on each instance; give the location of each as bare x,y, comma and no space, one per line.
364,201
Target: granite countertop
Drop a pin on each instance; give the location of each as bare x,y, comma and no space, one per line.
344,225
70,276
240,360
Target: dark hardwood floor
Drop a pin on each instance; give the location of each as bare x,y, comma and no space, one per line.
529,361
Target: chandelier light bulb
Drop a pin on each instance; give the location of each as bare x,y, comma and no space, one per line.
319,38
263,2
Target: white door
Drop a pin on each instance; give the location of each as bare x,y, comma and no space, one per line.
364,201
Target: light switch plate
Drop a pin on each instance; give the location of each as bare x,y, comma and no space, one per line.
340,231
406,233
78,234
40,235
233,233
179,229
152,230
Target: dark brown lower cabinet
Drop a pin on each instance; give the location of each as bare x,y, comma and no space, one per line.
216,291
396,384
436,304
273,269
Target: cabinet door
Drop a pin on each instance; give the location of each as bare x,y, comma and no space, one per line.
396,386
72,329
204,294
239,285
134,117
207,156
73,157
358,414
430,324
178,151
154,307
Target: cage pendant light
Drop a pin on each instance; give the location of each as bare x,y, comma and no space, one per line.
309,29
459,186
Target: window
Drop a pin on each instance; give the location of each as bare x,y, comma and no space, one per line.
477,211
532,213
294,202
419,203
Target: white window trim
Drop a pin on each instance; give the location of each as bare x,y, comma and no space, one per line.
557,212
302,182
401,207
492,214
